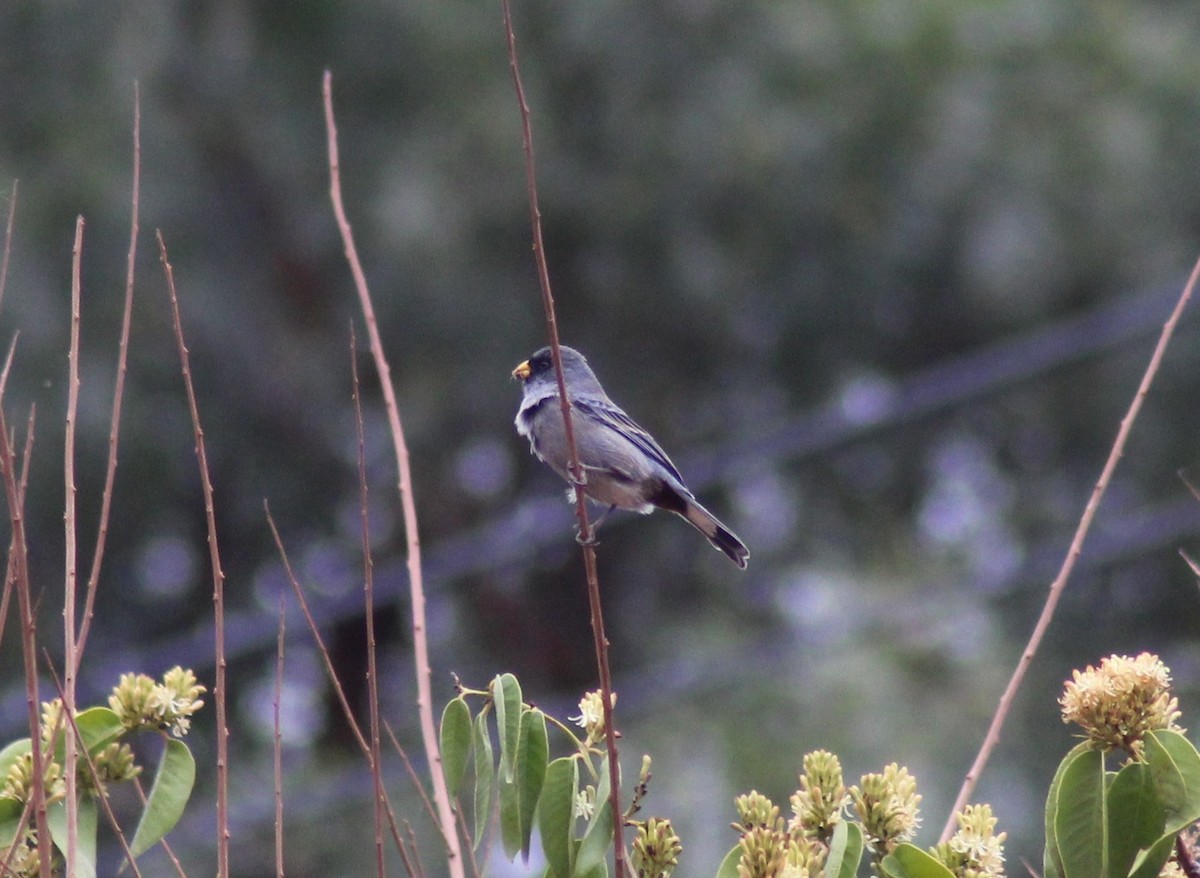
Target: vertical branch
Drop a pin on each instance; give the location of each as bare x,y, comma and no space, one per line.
369,601
8,233
278,741
119,383
1076,549
415,579
218,576
68,695
578,476
16,514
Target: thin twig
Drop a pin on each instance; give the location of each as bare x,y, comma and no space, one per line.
338,689
578,476
6,597
369,609
416,586
118,384
8,234
218,577
71,753
1076,549
278,744
20,546
97,784
412,773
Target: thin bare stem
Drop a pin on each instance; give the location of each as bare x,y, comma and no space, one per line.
412,773
578,476
416,586
278,743
97,784
8,234
162,842
369,610
1076,549
218,577
16,514
118,384
338,689
6,597
71,754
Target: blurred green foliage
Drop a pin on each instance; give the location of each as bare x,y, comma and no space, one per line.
762,219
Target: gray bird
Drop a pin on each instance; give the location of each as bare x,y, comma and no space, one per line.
623,466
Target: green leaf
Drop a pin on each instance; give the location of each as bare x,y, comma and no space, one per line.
172,786
556,815
1135,816
455,735
531,770
85,835
909,861
506,695
1175,766
98,727
485,770
1052,866
11,753
729,865
510,818
1150,863
845,850
1081,826
598,838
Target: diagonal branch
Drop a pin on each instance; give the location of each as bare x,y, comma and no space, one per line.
1076,549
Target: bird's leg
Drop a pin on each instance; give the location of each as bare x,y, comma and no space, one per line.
592,541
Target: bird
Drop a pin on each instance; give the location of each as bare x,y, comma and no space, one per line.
623,466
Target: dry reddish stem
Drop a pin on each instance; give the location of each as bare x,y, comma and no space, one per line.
369,611
576,468
278,744
218,577
71,754
415,579
1076,549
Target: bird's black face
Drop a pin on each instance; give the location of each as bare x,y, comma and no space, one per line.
542,363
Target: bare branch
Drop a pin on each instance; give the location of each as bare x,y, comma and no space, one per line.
1076,549
578,476
218,577
408,503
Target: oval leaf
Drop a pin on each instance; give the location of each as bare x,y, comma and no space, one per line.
85,836
909,861
1175,766
172,787
531,770
1080,826
485,771
455,739
1150,865
845,851
597,839
98,727
729,865
510,818
1052,857
1135,816
506,695
556,815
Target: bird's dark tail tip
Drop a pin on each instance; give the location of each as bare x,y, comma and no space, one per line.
718,534
728,543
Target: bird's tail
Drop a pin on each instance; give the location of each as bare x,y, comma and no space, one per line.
718,534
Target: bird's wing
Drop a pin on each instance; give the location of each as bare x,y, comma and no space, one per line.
610,416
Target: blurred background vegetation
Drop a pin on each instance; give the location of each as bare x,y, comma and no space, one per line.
882,276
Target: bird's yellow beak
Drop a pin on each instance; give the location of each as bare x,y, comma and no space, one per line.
522,371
